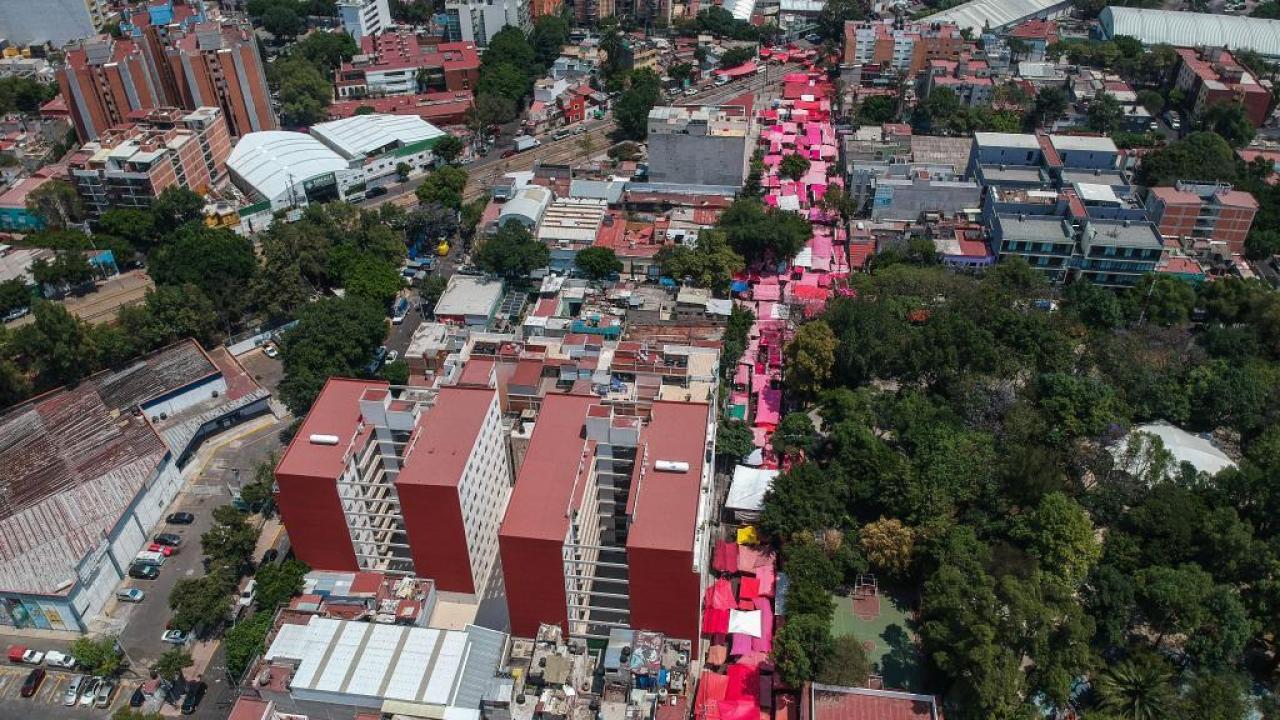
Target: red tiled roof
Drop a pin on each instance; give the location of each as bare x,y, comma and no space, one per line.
439,450
864,704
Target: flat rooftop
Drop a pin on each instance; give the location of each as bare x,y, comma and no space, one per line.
336,411
1040,228
446,434
1025,141
664,511
539,505
1120,233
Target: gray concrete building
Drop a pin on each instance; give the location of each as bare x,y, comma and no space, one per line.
699,145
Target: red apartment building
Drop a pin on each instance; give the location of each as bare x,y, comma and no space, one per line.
604,526
414,484
103,81
896,46
131,164
1213,77
397,63
218,64
1203,211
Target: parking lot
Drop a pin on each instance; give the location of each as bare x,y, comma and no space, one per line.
47,702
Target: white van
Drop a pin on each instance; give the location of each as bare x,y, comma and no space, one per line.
149,558
247,593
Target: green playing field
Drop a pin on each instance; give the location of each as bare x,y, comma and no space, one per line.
894,650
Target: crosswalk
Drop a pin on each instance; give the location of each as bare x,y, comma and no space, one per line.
54,686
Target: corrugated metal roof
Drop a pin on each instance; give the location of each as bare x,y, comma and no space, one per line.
1188,29
363,134
995,14
270,161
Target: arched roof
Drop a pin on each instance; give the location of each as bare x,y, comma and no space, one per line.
527,206
1188,29
269,161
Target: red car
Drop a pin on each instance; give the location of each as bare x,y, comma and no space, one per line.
509,153
32,683
164,550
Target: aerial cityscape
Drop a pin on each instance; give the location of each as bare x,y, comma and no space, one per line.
640,360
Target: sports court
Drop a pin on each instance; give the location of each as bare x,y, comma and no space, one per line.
884,621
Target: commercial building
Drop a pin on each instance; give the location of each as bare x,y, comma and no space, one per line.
396,63
281,169
14,215
364,18
900,47
708,145
606,526
981,16
88,471
130,165
217,63
439,109
407,485
1192,29
476,21
1203,211
104,80
402,670
469,300
834,702
53,22
1213,77
377,144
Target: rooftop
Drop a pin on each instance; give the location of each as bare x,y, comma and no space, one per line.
1034,227
539,504
336,411
446,435
271,161
980,15
361,135
1121,233
1191,29
469,295
829,702
1083,143
664,513
1025,141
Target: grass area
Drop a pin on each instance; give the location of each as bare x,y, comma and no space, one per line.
895,651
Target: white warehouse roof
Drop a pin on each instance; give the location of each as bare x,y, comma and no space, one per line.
366,134
361,663
1188,29
978,15
271,160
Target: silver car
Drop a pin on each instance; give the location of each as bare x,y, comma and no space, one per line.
88,689
106,689
72,694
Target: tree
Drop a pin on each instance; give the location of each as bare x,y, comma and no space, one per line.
13,295
734,442
757,232
1050,104
1163,299
709,264
278,583
876,110
550,33
202,603
888,545
1262,243
1229,121
431,290
1152,100
448,148
1105,114
231,540
58,345
847,663
99,656
402,171
303,89
1171,599
1062,538
244,641
505,79
219,262
326,50
513,252
491,109
444,186
395,372
1137,688
810,358
171,663
509,45
793,166
259,493
597,262
835,14
56,203
282,22
171,313
175,207
333,337
733,57
800,647
1095,306
1201,155
795,434
373,278
134,225
632,110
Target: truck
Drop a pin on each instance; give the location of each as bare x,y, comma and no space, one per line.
25,655
525,142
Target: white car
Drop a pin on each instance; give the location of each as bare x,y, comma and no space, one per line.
175,637
393,356
133,595
88,690
53,658
72,694
270,350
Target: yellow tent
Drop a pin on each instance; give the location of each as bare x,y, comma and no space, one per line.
747,535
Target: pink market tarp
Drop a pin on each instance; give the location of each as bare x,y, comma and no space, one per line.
765,578
741,643
744,682
764,643
771,293
769,407
720,594
759,438
726,557
771,160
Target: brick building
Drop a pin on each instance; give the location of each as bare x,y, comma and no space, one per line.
103,80
131,164
1213,77
414,484
901,47
397,63
1212,211
219,64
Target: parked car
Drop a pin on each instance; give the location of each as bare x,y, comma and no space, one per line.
71,695
270,350
59,660
137,698
169,539
144,572
175,637
247,593
25,655
106,689
147,557
509,153
393,356
195,693
165,550
88,691
375,192
180,518
130,595
32,683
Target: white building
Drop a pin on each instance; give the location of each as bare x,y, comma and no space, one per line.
1192,29
364,17
479,20
995,15
469,300
379,143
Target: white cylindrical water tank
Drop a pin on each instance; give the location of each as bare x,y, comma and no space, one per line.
671,466
318,439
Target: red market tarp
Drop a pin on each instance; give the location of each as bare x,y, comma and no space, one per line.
744,682
711,688
746,68
726,557
764,579
748,588
715,622
720,594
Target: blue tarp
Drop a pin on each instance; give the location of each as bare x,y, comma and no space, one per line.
739,286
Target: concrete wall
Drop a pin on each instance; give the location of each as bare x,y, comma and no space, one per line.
697,159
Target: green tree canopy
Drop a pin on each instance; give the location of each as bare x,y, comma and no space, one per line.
512,252
333,337
597,262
